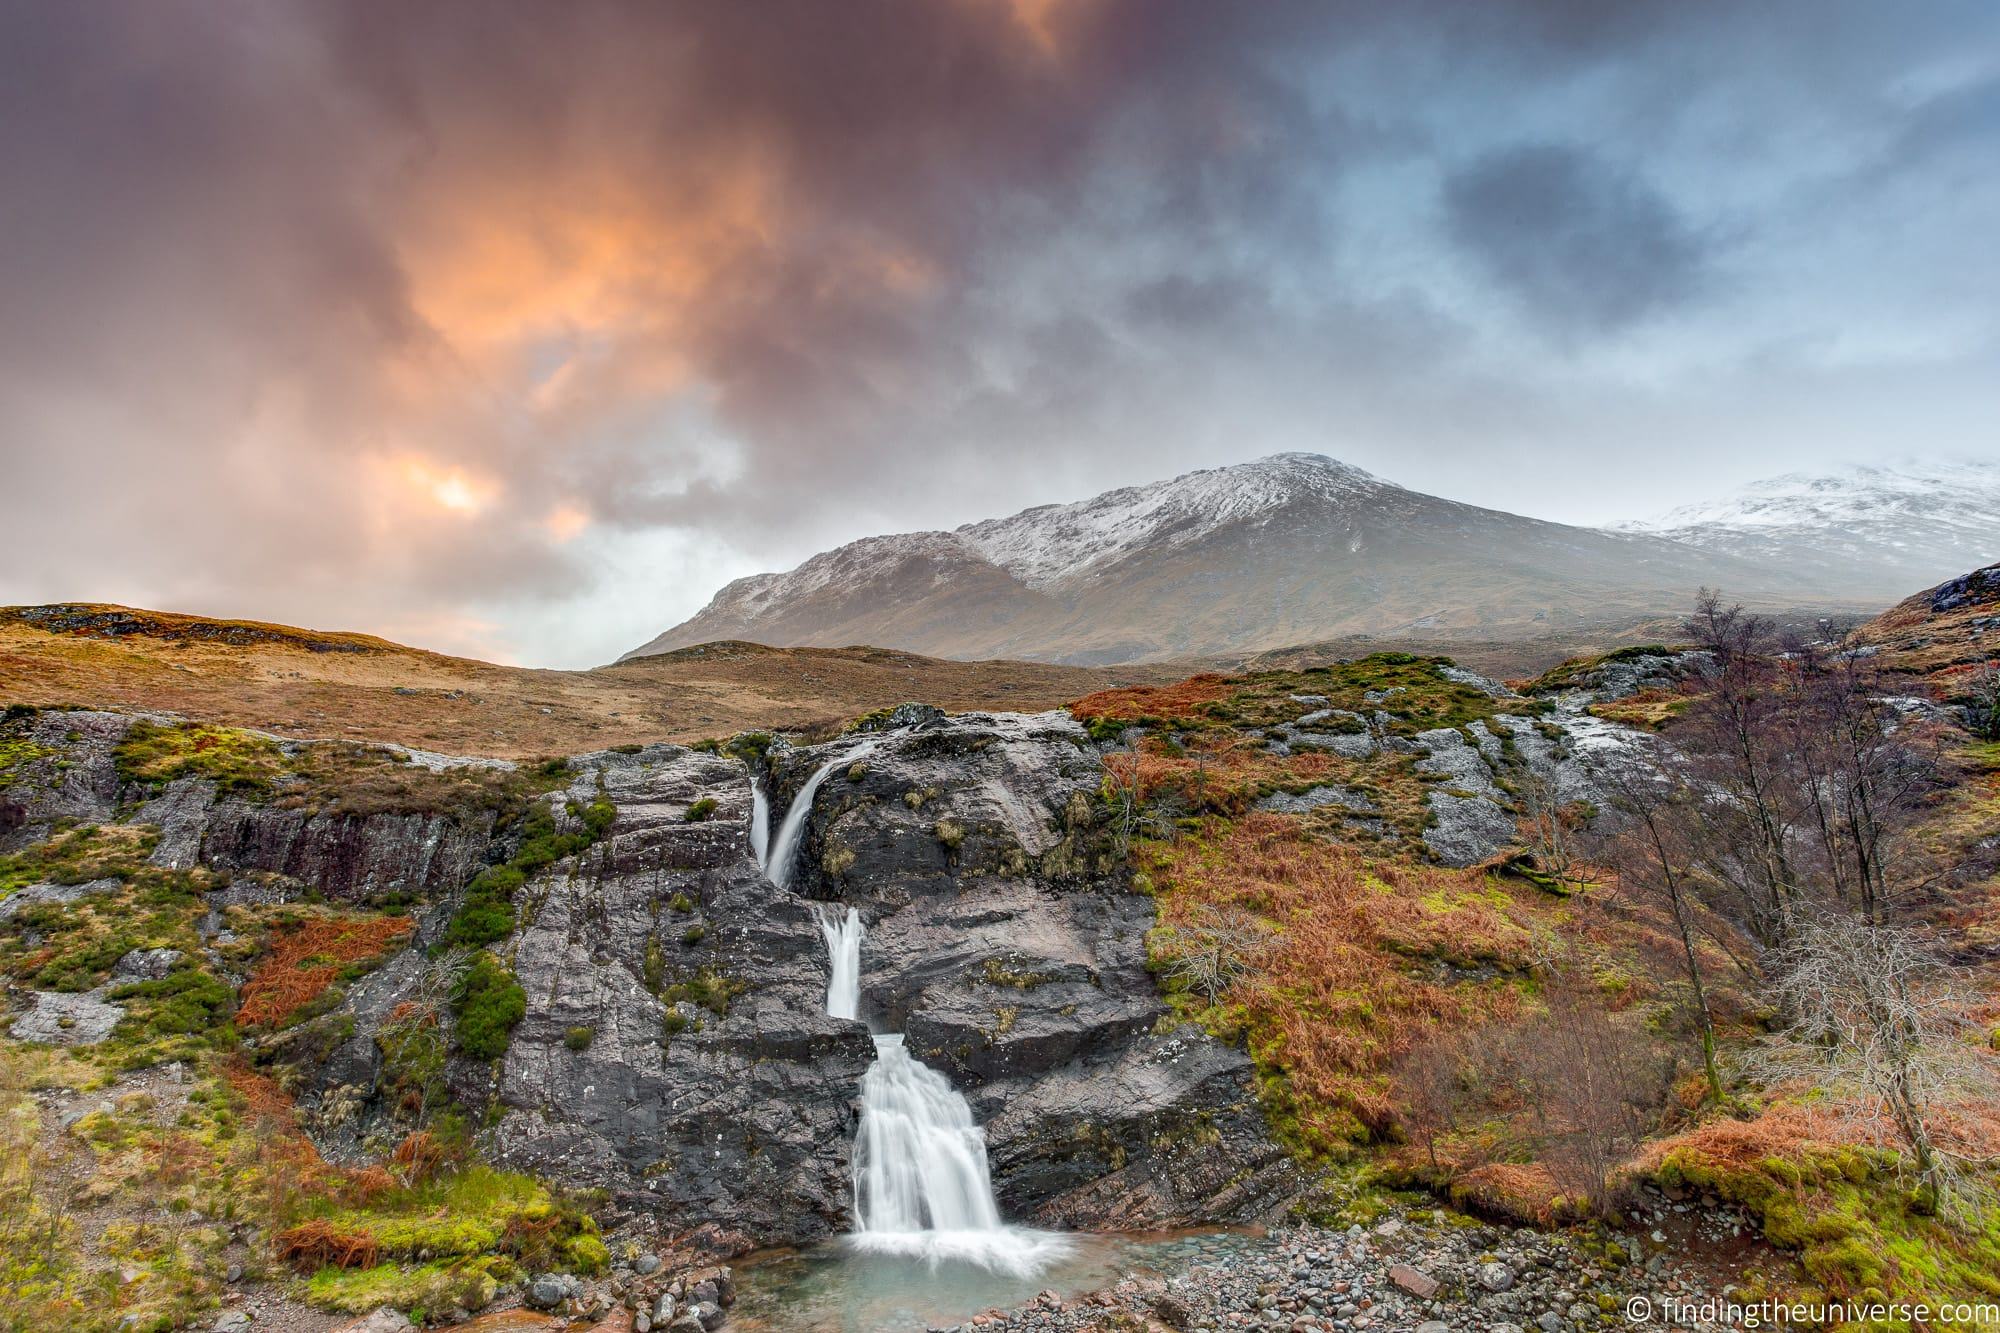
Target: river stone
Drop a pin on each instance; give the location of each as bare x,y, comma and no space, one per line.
1415,1281
1495,1276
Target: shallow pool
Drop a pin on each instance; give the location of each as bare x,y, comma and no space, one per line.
837,1288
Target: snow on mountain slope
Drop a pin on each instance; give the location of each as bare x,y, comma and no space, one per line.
1285,550
1877,529
1051,544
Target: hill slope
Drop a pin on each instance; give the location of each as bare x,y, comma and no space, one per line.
1287,550
306,683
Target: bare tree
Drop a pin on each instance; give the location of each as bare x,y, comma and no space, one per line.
1862,781
1593,1087
1211,953
1122,793
414,1039
1735,740
1982,700
1878,1020
1433,1077
1653,851
1549,824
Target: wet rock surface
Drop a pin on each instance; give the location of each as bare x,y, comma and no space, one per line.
1003,942
675,1050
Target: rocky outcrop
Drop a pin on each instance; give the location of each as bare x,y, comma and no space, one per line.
675,1048
348,858
1004,943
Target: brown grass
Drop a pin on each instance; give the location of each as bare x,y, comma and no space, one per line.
1338,997
1132,703
311,1246
276,682
303,960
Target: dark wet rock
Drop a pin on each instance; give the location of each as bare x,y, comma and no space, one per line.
346,858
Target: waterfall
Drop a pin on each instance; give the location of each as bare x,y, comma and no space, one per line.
783,856
760,824
922,1188
843,947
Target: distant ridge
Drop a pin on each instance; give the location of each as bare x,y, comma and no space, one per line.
1285,550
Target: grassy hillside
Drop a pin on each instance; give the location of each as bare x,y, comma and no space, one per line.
304,683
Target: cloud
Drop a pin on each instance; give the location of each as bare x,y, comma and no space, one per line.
533,324
1585,247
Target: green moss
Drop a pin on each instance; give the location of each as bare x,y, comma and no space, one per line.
700,810
706,987
427,1290
579,1038
489,1002
16,753
240,763
1853,1222
185,1001
488,915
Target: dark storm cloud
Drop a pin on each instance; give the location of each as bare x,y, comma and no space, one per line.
471,321
1585,247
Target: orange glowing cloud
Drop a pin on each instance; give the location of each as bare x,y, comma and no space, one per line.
451,489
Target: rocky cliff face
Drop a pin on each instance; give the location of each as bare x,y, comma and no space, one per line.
674,1048
1003,943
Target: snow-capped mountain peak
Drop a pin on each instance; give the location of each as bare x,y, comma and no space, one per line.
1964,492
1051,544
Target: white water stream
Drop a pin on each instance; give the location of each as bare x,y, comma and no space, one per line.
781,858
760,824
922,1188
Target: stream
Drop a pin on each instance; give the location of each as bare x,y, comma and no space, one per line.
840,1288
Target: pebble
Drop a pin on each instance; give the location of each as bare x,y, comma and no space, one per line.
1409,1273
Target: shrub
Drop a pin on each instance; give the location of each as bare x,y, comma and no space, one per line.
186,1001
708,988
488,1005
579,1038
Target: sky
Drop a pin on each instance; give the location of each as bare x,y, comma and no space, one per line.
515,330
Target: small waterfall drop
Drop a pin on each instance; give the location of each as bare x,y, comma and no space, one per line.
922,1187
760,824
782,858
843,947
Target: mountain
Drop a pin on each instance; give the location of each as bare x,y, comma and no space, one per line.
1286,550
1874,531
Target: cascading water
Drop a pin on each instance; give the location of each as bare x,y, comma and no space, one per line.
922,1188
782,858
760,824
843,947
